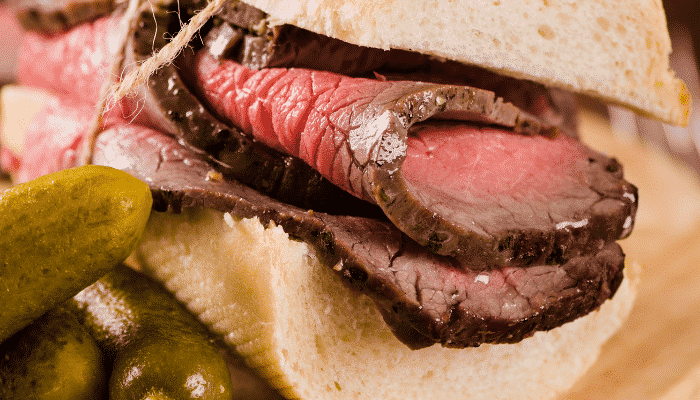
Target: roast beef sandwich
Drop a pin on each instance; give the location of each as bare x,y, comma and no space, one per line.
368,200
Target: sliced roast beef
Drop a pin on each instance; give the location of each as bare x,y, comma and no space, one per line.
57,16
77,63
242,33
74,65
424,297
525,194
512,245
487,196
427,298
355,133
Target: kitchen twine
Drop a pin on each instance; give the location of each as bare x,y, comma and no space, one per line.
111,92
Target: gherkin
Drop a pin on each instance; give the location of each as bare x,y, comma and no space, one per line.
60,233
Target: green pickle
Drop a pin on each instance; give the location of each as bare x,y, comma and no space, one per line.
54,358
60,233
158,349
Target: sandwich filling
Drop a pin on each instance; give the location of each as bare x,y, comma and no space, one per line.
467,217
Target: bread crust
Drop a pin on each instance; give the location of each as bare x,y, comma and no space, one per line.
616,51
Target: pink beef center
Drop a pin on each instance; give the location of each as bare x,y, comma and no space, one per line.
459,159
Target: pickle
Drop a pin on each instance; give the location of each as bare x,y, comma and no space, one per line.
60,233
157,348
53,358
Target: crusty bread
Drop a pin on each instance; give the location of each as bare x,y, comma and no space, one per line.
616,50
299,326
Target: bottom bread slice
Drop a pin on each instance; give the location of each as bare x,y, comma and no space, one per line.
311,337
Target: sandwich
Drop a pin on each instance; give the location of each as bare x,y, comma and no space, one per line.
383,200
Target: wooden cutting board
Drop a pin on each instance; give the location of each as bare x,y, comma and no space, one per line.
656,355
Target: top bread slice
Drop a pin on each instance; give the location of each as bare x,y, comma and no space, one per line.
617,51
